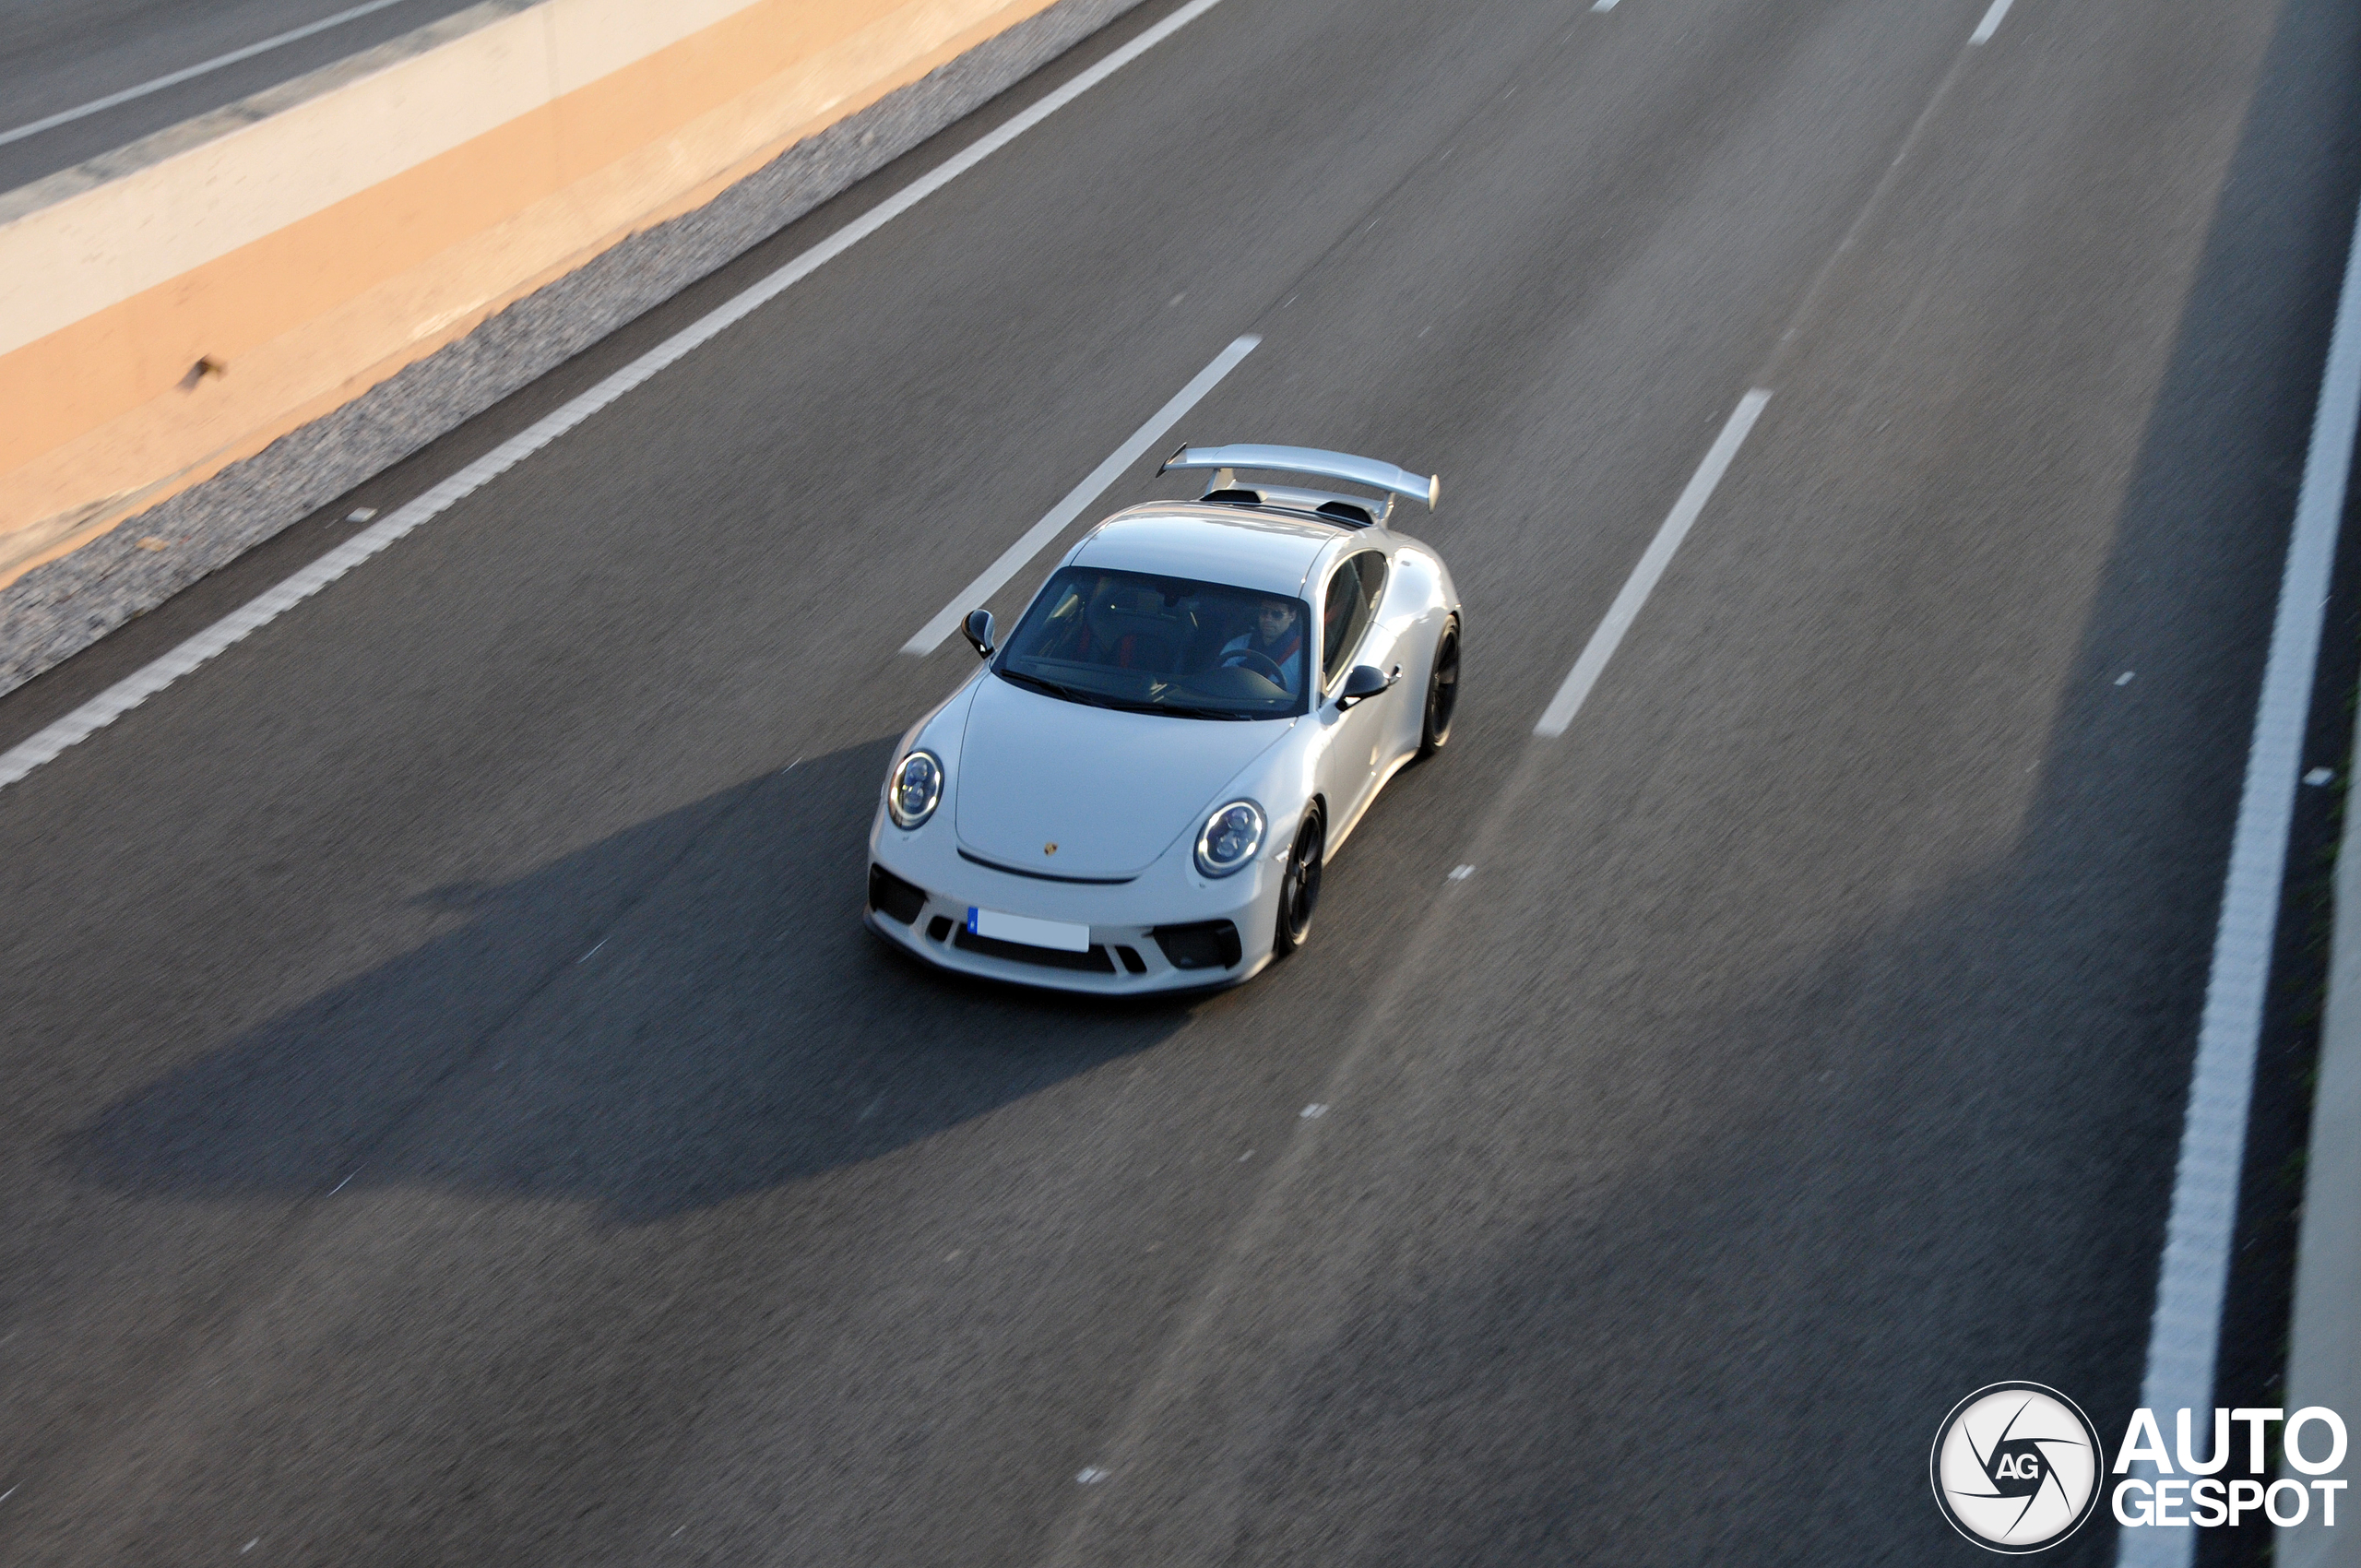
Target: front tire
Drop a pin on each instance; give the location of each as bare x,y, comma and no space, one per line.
1299,887
1442,691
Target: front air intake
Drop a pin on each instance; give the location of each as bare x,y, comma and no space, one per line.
1093,962
893,898
1206,944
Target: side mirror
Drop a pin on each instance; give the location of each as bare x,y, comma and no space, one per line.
977,629
1361,682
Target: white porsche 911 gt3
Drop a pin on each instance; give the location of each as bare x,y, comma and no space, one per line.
1139,789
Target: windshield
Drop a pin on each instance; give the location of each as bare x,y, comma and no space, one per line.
1161,645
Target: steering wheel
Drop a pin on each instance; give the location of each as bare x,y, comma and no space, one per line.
1258,663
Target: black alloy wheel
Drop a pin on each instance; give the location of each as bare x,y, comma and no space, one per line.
1442,691
1299,889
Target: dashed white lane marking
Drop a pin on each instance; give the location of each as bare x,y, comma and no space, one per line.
188,72
2319,775
1038,538
1313,1112
2124,679
1461,874
137,688
1602,4
1993,18
1653,561
2186,1332
1090,1474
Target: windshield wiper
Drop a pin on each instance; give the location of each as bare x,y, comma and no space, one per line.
1100,699
1186,712
1055,688
1173,710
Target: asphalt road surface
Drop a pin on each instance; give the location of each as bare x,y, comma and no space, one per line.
58,57
455,1115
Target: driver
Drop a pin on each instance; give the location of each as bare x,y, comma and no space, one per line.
1276,636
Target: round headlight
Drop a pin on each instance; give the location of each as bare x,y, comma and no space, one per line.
914,789
1229,838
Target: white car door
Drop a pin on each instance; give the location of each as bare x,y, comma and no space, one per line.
1362,741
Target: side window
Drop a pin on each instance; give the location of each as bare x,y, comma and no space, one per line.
1353,591
1370,564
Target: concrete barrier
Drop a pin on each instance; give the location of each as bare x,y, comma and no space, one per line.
321,261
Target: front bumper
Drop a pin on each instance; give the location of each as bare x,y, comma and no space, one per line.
1136,947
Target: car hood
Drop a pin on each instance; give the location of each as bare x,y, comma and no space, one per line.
1110,790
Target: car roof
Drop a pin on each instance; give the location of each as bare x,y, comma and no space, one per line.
1218,544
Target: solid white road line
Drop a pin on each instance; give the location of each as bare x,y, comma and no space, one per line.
133,690
1991,22
1643,581
1036,538
187,73
2187,1329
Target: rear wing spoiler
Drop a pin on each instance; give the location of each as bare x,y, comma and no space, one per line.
1308,460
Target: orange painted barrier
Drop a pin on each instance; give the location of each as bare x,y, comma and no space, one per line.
177,306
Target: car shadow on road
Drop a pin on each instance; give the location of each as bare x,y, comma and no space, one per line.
730,1027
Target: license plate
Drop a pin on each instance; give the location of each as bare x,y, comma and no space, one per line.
1065,938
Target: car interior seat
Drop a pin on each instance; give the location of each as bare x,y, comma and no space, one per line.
1132,626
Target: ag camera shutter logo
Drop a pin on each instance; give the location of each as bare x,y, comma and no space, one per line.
2016,1468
